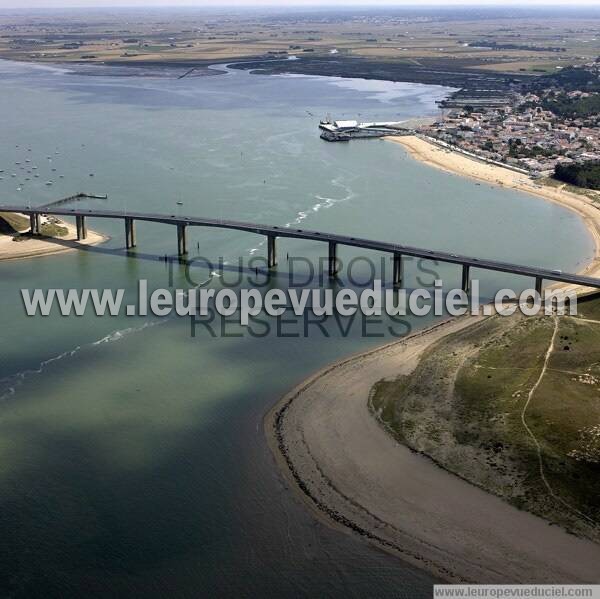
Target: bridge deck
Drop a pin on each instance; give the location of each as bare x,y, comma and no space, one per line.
272,230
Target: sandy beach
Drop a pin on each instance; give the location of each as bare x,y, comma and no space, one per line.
357,477
353,474
41,246
459,164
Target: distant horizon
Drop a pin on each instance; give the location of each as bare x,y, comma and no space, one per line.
306,4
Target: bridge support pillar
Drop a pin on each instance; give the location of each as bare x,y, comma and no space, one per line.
129,233
181,240
333,261
271,251
81,228
538,284
34,223
466,283
398,274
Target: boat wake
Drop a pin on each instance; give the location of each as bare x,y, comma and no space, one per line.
10,384
324,202
122,333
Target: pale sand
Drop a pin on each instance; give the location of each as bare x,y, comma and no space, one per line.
356,476
35,247
459,164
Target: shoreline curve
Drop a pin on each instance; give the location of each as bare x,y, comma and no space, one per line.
355,476
455,163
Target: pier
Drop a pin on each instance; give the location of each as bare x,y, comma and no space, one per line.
272,233
347,130
74,198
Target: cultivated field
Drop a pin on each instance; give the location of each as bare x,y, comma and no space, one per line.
516,42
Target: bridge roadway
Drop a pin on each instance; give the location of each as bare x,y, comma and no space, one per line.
272,232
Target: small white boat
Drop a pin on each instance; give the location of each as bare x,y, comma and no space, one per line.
48,182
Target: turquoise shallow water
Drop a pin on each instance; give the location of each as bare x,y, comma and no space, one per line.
132,456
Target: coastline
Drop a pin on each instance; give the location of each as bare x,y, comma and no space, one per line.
355,476
46,246
459,164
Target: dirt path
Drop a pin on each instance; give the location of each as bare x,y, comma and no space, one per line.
356,476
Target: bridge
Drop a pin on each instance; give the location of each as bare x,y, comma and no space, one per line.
273,232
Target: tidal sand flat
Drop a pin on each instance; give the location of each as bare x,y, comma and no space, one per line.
511,405
353,472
